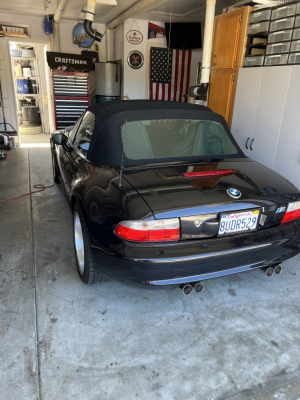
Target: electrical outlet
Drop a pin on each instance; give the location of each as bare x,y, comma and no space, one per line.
45,99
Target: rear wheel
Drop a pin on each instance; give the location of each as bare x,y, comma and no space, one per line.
86,267
54,168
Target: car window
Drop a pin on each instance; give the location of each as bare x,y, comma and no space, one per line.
74,129
84,134
175,139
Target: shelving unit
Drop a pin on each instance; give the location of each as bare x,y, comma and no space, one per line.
36,98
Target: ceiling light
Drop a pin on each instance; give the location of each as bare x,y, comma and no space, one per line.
107,2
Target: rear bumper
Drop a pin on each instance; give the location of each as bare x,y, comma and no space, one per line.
197,260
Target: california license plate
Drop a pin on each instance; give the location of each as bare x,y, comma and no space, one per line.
244,221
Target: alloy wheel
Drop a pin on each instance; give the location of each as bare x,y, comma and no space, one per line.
79,242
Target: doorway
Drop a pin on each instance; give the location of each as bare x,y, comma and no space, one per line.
30,77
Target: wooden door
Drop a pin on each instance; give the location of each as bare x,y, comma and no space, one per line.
220,88
230,37
227,35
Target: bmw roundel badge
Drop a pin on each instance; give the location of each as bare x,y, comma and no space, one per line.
235,193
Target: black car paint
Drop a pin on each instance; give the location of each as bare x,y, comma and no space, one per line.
160,191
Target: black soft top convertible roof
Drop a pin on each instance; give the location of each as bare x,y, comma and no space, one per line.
106,144
106,109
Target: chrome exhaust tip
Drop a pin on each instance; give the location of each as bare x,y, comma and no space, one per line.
199,287
278,269
269,271
187,289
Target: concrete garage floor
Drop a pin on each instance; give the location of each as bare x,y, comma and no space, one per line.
61,339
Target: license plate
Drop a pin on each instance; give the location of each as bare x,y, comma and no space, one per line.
244,221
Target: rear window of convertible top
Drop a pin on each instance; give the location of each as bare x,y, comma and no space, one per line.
175,139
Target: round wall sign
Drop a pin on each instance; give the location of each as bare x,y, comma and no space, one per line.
80,37
135,59
134,37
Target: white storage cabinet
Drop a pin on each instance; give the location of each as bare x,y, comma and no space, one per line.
266,118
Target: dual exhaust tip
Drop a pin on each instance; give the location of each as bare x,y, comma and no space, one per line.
187,289
271,270
199,287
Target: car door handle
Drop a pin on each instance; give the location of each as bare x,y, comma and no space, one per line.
247,143
251,144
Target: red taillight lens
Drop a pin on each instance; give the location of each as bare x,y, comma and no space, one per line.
208,174
163,230
292,212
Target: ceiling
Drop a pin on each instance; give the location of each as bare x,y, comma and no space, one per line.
181,11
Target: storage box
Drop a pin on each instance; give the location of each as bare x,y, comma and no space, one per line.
280,24
280,36
296,34
254,61
297,22
258,16
262,27
283,11
295,46
278,59
294,58
255,50
278,48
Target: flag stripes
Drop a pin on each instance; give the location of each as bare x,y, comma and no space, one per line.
160,86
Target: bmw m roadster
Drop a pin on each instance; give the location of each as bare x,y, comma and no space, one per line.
162,196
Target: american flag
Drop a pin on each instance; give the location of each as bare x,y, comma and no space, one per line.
169,74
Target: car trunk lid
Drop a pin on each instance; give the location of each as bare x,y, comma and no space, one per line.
202,200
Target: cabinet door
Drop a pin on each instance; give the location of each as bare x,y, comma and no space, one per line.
220,92
287,158
226,40
245,104
269,112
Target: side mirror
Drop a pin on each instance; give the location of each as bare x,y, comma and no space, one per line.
59,138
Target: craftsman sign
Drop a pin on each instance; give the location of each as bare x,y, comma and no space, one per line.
134,37
71,61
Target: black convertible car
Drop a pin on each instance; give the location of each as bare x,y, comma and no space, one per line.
162,195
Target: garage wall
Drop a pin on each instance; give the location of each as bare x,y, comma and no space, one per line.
36,26
38,34
135,82
66,38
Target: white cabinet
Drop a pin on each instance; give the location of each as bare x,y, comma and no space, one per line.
269,112
243,116
287,159
266,116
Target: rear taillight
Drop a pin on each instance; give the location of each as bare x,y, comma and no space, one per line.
292,212
208,174
163,230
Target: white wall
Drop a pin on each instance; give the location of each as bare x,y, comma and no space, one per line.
136,82
66,38
37,33
38,36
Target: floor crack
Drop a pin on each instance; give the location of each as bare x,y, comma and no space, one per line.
34,276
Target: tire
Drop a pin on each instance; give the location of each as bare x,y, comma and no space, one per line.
86,267
54,167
